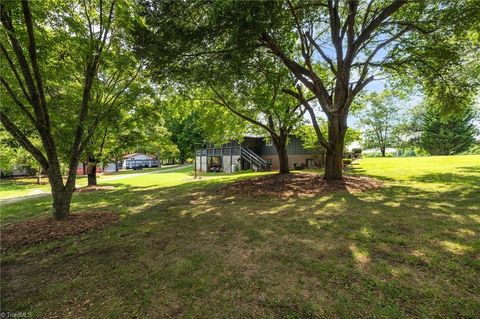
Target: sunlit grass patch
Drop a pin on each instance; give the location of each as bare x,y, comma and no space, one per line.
455,248
182,248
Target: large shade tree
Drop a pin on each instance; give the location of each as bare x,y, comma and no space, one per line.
252,90
52,59
333,48
257,98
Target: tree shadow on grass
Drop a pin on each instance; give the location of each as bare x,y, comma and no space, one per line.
388,252
414,239
359,171
470,169
449,179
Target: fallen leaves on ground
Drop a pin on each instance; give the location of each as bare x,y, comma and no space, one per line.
41,229
299,184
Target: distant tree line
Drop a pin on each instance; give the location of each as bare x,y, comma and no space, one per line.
427,128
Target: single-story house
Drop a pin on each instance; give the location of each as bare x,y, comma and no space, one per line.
257,153
129,161
139,159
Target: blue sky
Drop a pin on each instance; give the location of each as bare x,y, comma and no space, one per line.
375,86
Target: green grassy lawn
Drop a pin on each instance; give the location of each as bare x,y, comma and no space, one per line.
182,249
145,170
25,186
10,188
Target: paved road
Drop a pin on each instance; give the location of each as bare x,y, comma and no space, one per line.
106,178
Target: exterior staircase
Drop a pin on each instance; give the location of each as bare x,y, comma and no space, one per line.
256,162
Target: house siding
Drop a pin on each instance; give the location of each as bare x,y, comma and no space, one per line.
294,147
201,163
318,159
230,153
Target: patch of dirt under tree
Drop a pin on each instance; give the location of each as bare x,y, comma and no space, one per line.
29,232
299,184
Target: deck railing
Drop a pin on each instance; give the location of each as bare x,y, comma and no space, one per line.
244,153
253,158
220,151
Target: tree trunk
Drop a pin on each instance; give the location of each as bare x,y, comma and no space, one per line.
39,175
61,203
116,164
382,149
334,164
280,144
92,175
181,157
283,159
60,194
92,171
334,156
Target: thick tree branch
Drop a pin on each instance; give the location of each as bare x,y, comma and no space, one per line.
322,53
316,85
381,17
361,85
15,73
90,73
224,103
350,23
299,96
22,61
17,101
367,13
32,51
335,31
